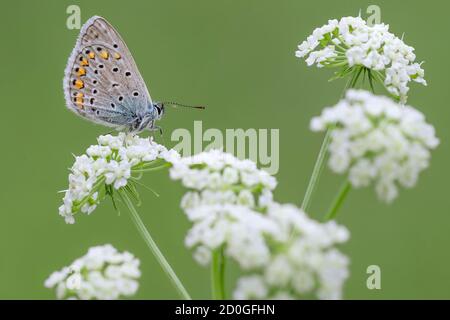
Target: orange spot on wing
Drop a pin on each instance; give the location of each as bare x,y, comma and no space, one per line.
79,100
84,62
79,84
116,56
81,71
104,54
91,55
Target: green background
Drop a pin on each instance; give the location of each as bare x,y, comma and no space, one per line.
237,57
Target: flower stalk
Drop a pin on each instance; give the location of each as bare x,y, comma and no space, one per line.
320,161
154,247
317,170
337,203
218,274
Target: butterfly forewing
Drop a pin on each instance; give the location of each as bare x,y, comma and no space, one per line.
102,82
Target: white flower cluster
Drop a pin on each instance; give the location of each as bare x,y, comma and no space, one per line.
351,42
241,230
377,141
303,262
109,162
216,170
224,194
102,274
284,252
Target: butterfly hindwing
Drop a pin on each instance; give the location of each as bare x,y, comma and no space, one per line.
102,82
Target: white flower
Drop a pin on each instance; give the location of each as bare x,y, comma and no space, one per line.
98,151
202,255
245,198
282,252
114,142
223,200
240,230
376,140
222,175
351,43
303,260
118,173
103,274
250,287
113,159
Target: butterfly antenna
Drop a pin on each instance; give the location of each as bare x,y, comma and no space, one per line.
176,105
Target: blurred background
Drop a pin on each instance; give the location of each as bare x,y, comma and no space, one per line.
236,57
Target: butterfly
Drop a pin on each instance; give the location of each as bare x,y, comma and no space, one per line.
102,82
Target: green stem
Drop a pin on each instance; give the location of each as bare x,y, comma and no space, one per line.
154,248
356,73
337,203
218,274
320,161
95,188
317,170
165,165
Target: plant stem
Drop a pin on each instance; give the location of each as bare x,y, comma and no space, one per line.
318,166
345,188
165,165
218,274
154,248
317,170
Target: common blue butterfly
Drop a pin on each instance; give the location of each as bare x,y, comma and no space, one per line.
102,82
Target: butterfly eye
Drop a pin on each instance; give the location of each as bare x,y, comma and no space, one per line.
158,109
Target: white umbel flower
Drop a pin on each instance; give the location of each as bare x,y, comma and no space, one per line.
111,162
240,230
350,43
216,170
375,140
223,203
283,253
303,259
102,274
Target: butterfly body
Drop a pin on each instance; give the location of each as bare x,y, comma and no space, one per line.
102,82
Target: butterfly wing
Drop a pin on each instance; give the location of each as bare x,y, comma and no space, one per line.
102,82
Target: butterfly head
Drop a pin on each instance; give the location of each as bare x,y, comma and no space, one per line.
158,108
155,112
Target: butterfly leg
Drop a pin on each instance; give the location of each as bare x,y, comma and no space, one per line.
156,128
